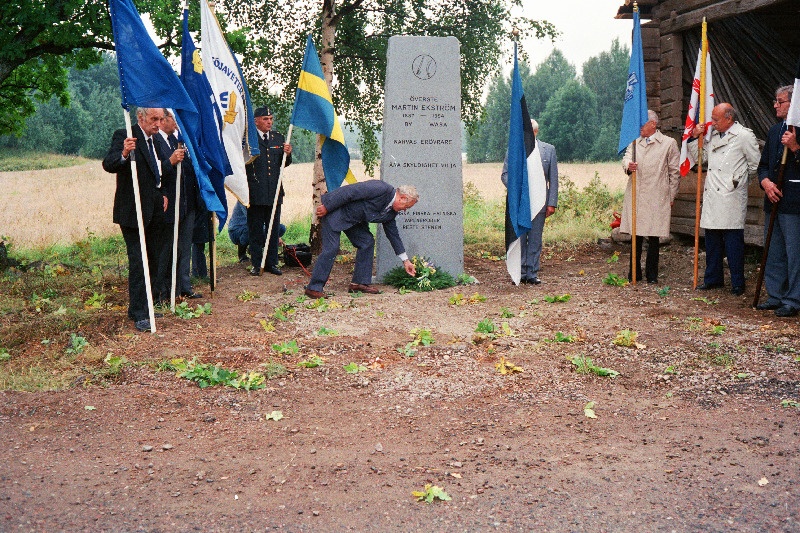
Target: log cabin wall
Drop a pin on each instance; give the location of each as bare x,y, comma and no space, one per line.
755,46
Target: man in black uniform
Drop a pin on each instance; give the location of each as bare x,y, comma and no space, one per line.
262,179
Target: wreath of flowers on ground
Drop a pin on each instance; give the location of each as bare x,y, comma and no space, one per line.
428,278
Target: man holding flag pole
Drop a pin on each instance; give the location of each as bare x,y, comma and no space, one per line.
147,81
634,117
779,176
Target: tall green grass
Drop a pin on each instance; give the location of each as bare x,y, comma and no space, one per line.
15,160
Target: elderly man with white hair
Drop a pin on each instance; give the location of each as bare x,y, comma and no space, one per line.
657,179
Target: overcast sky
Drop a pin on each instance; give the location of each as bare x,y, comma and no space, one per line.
587,28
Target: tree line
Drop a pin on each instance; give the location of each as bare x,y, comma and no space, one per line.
580,116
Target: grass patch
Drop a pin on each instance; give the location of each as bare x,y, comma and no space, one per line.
16,159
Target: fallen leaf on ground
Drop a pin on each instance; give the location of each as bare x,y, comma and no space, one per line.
763,481
588,410
274,415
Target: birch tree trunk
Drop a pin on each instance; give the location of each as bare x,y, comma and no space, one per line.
329,20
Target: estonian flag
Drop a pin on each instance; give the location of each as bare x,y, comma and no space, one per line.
203,131
634,110
793,117
527,190
313,110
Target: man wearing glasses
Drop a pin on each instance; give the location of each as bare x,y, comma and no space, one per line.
782,270
350,209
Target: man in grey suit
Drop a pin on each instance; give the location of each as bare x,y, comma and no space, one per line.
351,208
531,242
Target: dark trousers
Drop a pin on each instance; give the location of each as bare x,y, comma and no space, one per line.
651,265
137,291
163,281
721,243
362,239
258,217
199,263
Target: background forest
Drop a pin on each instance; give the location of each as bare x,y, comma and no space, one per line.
580,115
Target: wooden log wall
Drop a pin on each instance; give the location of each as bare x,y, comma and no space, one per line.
755,48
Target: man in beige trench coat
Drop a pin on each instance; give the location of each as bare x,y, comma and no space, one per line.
733,156
657,180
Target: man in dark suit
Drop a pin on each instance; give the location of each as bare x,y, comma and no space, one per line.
262,180
351,208
151,163
782,270
189,202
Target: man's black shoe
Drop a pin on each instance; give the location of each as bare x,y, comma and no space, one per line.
143,325
767,306
274,270
708,286
192,295
533,281
786,311
737,291
652,281
255,271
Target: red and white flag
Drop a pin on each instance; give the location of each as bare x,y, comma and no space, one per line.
687,161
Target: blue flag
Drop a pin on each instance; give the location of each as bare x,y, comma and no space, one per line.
634,111
203,130
313,110
146,79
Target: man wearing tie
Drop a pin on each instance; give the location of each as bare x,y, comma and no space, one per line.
150,165
262,180
782,269
190,200
351,208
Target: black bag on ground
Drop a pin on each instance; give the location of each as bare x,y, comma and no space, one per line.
295,255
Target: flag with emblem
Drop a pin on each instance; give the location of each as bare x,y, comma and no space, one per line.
228,85
692,116
526,186
203,131
634,110
313,110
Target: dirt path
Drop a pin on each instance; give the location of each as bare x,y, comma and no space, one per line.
691,436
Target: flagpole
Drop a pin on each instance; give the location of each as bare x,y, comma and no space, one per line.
175,232
634,259
700,141
275,201
140,222
212,253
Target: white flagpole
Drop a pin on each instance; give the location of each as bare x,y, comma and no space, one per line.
275,201
140,222
175,234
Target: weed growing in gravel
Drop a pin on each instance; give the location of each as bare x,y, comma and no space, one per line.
430,493
311,362
790,403
486,327
557,299
419,337
717,330
626,338
705,300
323,331
584,365
286,347
614,258
282,312
671,370
246,296
663,291
615,280
4,355
505,312
561,337
354,368
208,375
273,369
184,310
76,344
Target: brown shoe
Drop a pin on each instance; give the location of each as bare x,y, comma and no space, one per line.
316,295
366,289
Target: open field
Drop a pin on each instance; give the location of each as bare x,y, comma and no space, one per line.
64,205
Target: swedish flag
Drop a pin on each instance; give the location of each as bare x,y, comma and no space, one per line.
313,110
